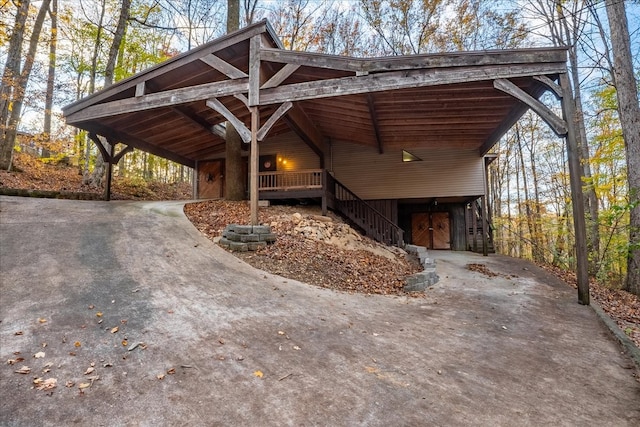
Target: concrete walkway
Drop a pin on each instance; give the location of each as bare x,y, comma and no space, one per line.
237,346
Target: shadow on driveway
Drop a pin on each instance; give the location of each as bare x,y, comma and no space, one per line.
237,346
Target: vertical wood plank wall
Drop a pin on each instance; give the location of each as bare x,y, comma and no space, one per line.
298,154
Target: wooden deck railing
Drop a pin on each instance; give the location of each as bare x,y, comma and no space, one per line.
371,221
290,180
333,193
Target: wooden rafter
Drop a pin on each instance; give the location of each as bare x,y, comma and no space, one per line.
374,122
558,125
194,118
300,123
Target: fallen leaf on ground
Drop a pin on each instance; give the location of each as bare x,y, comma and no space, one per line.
77,344
23,370
69,384
99,314
47,384
258,374
114,330
18,333
82,386
125,343
41,320
39,355
160,376
91,307
89,370
171,371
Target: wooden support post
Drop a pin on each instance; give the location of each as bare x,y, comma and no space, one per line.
109,160
194,182
579,223
253,196
485,226
474,225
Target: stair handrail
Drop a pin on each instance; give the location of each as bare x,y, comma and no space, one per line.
390,233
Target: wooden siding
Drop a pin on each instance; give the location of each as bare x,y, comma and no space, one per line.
292,149
441,173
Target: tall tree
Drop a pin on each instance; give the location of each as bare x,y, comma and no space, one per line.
51,76
9,81
234,181
20,85
629,112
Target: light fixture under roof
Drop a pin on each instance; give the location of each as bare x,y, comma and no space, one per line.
409,157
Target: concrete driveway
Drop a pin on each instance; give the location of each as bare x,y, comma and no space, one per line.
220,343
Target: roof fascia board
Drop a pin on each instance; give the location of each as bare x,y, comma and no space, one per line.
395,80
171,64
167,98
410,62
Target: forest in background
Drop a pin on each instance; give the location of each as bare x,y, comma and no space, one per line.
57,51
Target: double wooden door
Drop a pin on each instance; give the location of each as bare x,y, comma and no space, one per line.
431,229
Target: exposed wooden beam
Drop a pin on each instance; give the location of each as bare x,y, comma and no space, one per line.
169,65
122,153
298,121
167,98
218,106
551,85
194,118
141,144
280,76
374,122
558,125
409,62
399,80
254,71
266,127
242,98
223,66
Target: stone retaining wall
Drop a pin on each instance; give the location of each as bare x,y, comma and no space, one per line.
428,277
243,238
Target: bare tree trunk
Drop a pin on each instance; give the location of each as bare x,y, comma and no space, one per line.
23,79
9,80
527,201
629,112
233,179
51,77
100,169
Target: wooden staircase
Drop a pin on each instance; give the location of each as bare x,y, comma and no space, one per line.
362,215
475,234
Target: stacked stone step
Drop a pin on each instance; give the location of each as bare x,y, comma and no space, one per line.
427,277
243,238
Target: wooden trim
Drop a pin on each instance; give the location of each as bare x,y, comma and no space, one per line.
223,66
399,80
245,133
558,125
273,119
167,98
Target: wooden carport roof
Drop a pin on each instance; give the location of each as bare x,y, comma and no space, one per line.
453,100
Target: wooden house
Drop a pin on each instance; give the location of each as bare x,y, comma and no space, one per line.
396,144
